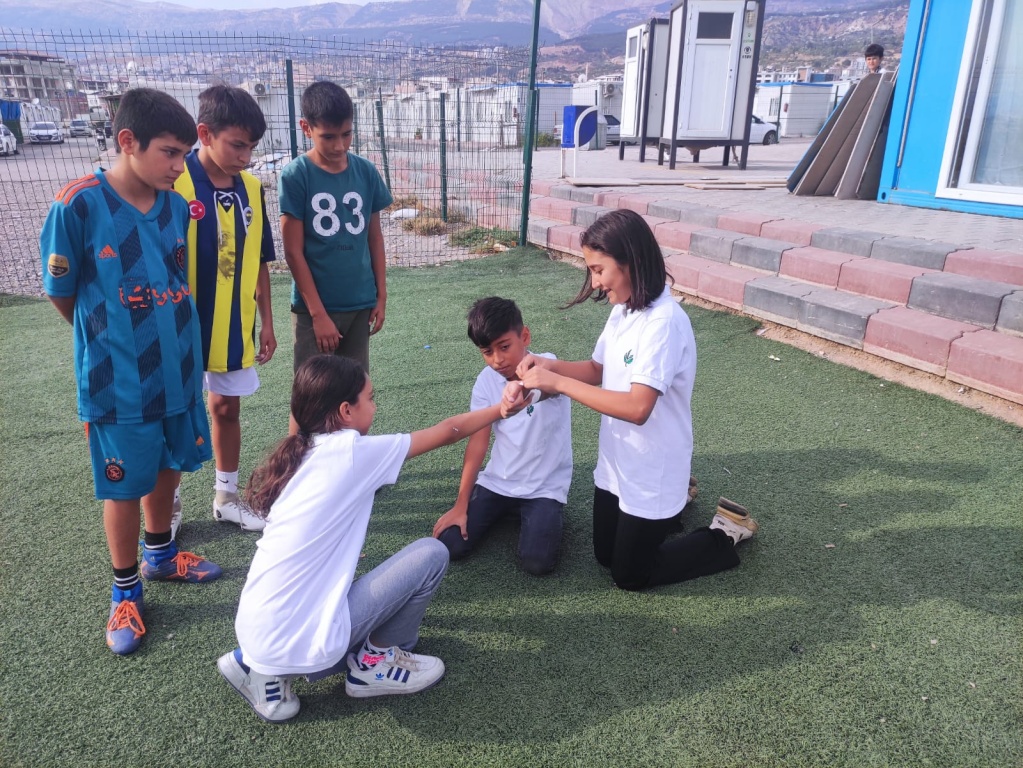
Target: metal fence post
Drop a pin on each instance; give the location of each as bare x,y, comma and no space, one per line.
527,170
383,143
355,126
443,160
292,133
458,119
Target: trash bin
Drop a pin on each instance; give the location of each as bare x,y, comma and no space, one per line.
101,140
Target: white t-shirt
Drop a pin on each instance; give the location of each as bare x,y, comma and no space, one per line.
532,453
647,467
293,613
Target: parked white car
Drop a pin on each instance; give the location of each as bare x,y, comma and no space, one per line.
761,132
45,133
8,142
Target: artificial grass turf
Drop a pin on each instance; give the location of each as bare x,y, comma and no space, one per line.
897,646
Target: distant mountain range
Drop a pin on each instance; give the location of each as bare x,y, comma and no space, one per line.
423,22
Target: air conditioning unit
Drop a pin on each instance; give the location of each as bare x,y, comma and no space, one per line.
607,90
261,89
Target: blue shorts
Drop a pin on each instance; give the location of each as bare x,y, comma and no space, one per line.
126,458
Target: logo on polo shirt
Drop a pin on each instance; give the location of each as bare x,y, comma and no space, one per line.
196,210
629,358
529,410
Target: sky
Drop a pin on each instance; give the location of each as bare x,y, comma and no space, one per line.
250,4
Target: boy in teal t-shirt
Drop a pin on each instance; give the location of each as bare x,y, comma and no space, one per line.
330,222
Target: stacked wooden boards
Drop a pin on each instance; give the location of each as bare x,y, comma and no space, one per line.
845,158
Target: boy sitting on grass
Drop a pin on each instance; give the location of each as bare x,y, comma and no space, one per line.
530,466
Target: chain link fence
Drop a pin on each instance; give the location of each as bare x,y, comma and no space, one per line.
443,126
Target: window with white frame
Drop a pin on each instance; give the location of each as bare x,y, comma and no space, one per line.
983,158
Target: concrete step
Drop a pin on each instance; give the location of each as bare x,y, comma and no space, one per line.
890,298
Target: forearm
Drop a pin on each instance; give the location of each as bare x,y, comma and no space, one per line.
378,257
633,406
475,453
304,283
585,371
263,303
65,305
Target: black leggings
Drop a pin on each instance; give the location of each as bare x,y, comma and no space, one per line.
639,557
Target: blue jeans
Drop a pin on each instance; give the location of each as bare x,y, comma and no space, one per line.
389,601
539,536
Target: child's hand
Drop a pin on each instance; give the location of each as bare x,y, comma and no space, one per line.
455,516
531,361
541,379
514,399
327,334
376,318
267,345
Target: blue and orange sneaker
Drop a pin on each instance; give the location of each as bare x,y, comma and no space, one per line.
171,565
124,627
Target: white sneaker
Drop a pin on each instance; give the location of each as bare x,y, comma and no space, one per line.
176,514
734,519
398,672
234,510
270,697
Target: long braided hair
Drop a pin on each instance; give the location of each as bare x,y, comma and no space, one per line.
322,384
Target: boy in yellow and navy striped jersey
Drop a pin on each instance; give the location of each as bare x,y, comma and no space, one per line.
229,244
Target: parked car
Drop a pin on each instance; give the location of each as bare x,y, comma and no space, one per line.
761,132
45,133
79,128
8,142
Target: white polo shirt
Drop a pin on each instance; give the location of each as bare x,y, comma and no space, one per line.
647,467
532,453
293,612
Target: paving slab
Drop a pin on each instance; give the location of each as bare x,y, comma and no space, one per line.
776,298
584,195
840,317
713,244
881,279
1010,316
760,253
958,297
585,215
913,338
562,191
724,284
858,242
790,230
675,234
552,208
684,271
537,229
640,204
566,238
1000,266
748,223
913,251
815,265
989,361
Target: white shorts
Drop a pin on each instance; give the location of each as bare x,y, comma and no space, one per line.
232,383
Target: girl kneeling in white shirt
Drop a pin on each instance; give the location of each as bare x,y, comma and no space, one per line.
640,378
302,612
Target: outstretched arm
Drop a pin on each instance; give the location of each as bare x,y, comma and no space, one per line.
452,429
634,406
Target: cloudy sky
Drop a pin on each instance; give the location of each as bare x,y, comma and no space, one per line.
250,4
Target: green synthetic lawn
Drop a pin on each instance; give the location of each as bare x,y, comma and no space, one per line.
899,645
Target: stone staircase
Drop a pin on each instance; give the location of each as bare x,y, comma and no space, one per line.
954,312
